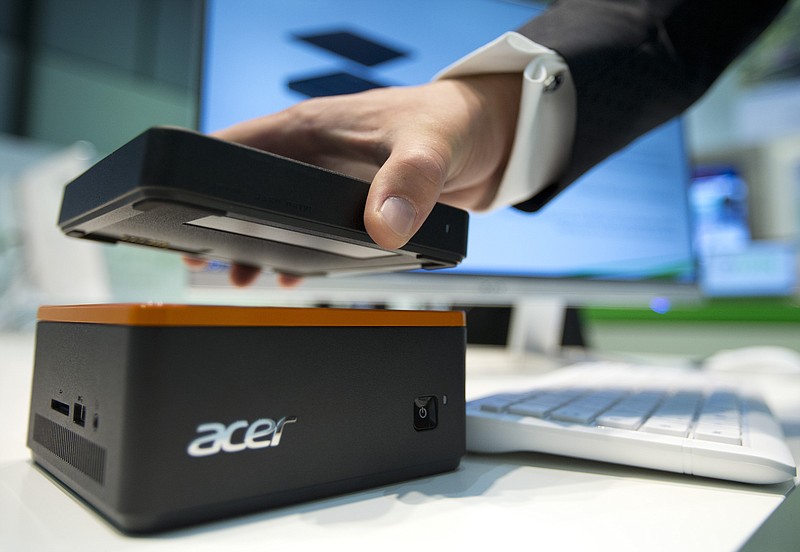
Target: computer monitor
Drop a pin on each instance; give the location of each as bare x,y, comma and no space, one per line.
621,234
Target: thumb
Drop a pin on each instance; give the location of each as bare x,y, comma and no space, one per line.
403,193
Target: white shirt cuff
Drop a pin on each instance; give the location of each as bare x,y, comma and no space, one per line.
546,121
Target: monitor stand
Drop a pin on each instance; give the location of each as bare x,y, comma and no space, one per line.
544,325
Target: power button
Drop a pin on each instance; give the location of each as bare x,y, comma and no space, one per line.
425,413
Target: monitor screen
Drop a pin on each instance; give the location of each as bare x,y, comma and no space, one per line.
621,232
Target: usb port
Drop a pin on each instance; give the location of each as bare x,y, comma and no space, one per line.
60,407
79,414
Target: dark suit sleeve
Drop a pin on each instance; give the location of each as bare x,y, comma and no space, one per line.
638,63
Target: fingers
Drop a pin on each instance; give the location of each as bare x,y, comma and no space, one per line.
243,275
257,133
240,275
403,193
289,281
194,263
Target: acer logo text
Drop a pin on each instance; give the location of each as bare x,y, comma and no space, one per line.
240,435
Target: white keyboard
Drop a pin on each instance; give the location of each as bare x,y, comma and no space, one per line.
665,418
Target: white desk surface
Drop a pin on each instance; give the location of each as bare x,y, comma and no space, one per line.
530,500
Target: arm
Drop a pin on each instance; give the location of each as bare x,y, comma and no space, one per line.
637,64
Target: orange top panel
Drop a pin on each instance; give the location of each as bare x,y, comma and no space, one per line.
144,314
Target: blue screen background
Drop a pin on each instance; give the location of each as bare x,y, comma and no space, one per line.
626,219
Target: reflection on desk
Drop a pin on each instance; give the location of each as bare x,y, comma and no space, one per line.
489,500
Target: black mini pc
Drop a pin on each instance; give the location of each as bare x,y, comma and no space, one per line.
160,416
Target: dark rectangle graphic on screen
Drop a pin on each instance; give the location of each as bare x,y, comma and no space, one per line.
352,46
332,84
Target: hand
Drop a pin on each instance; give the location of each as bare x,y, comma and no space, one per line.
446,141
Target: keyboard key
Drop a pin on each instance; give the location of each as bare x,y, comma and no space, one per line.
722,407
585,408
557,397
645,401
722,401
678,427
620,421
531,408
727,420
573,414
718,433
497,403
679,404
